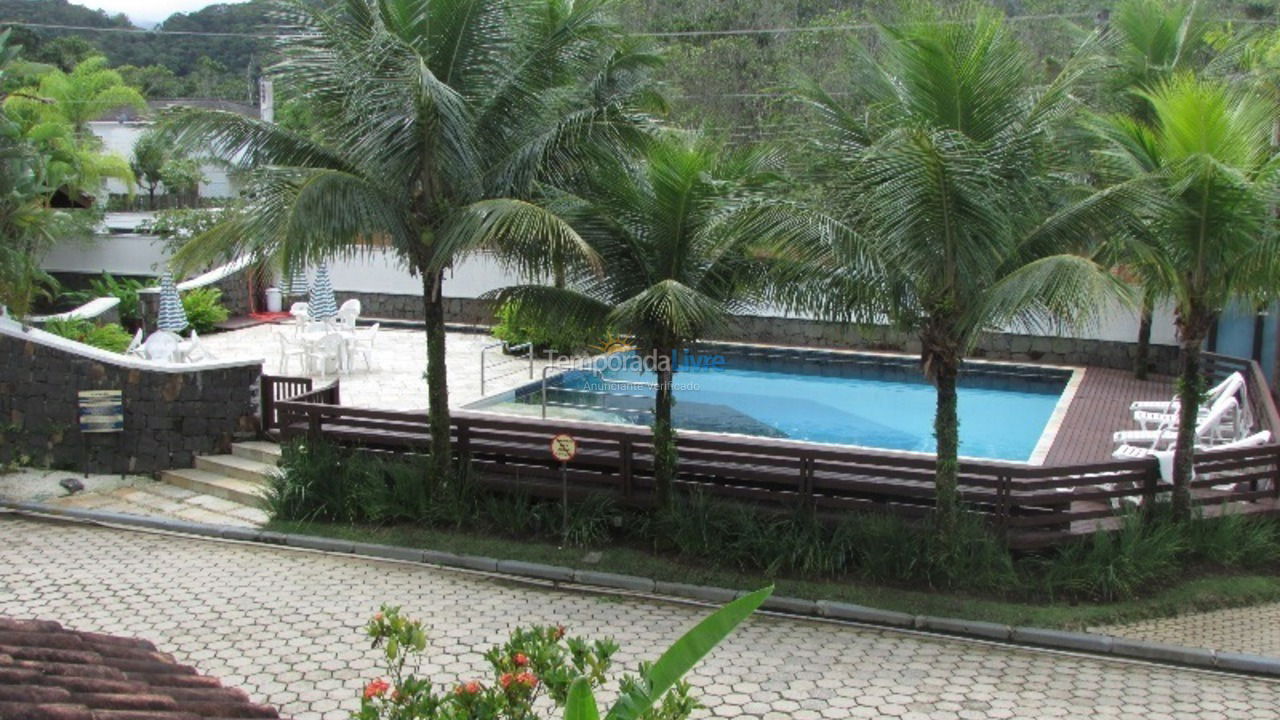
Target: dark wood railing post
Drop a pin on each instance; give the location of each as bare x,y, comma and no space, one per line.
314,427
266,394
464,439
1150,484
1004,486
626,449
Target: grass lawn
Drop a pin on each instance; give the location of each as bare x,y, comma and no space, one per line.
1197,593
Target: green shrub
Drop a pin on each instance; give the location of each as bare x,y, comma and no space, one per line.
562,337
1234,540
126,289
323,483
204,308
1110,566
109,336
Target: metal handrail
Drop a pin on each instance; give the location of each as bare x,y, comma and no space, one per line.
522,346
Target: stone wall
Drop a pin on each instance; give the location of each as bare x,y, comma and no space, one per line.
993,346
817,333
169,416
460,311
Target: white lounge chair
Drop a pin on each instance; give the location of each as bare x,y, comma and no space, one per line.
1230,385
1213,428
1165,457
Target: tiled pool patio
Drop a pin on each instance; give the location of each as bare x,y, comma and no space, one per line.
1099,406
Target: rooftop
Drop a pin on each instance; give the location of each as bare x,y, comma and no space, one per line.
50,673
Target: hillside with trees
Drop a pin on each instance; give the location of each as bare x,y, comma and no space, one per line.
715,77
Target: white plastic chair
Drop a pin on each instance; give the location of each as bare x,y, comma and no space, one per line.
135,345
161,345
196,350
288,350
325,353
348,314
301,313
362,345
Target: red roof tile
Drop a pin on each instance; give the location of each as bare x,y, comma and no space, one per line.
51,673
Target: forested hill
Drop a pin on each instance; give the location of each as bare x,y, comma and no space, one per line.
716,76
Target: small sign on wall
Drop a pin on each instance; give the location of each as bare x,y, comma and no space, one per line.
101,411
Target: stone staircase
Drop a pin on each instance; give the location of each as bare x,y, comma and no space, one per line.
239,477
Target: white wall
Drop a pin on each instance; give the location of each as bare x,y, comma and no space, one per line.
382,272
120,137
116,254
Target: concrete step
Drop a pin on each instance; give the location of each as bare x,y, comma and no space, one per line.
236,467
259,450
215,484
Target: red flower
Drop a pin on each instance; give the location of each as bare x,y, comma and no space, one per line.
469,688
527,679
559,631
377,617
506,679
376,688
520,659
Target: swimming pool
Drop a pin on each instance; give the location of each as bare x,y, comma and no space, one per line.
870,400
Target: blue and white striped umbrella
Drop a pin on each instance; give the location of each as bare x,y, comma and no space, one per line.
295,281
321,304
171,317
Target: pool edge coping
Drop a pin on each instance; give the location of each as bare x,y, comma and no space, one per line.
1084,643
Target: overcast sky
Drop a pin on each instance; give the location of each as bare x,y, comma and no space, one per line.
147,12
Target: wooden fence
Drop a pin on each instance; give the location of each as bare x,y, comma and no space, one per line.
1032,506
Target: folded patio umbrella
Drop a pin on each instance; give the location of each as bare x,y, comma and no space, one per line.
171,317
321,304
295,281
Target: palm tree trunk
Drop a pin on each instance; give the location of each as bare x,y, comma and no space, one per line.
1142,353
437,379
664,436
946,428
1190,383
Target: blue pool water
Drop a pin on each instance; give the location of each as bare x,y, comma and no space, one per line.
872,401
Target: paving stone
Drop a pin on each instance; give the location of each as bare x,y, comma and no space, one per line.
287,626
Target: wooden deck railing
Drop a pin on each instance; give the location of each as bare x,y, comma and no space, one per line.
274,388
1033,506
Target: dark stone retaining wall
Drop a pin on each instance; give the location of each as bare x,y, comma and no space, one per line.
169,417
462,311
993,346
800,332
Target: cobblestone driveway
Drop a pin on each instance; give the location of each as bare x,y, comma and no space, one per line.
1254,629
284,625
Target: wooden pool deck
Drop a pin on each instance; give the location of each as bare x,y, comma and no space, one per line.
1099,408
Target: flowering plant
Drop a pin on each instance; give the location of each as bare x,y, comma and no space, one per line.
531,672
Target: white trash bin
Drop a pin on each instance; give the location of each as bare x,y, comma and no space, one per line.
274,299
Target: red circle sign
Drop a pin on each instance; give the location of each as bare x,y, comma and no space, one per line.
563,447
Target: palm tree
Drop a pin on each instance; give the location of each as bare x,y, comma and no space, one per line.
1153,40
88,92
684,231
1207,151
432,118
957,216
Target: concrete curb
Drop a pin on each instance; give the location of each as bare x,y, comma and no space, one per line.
1090,643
